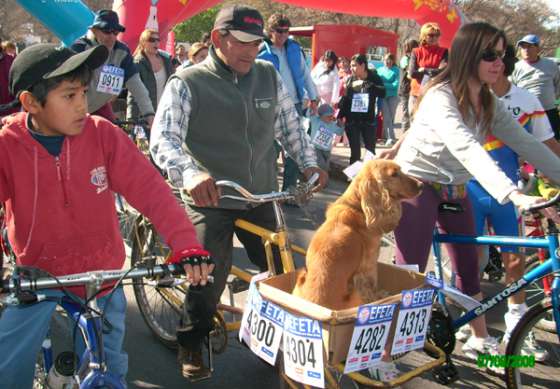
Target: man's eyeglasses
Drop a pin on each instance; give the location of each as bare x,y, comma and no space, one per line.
490,55
107,32
153,40
282,30
525,45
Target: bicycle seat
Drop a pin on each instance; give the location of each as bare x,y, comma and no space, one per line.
450,207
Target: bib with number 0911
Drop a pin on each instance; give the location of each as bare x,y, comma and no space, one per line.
369,337
303,350
111,80
323,139
412,323
360,102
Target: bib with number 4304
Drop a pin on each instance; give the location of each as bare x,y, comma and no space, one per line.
412,323
111,80
303,350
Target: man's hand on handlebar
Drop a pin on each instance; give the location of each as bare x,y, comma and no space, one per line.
323,177
203,190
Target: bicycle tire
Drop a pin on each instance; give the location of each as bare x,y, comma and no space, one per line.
160,314
542,375
535,294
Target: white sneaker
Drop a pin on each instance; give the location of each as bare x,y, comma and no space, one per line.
384,371
389,142
464,333
532,347
475,346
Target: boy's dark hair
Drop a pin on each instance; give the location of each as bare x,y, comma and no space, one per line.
509,60
42,88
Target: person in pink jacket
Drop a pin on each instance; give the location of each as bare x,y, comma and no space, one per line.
59,170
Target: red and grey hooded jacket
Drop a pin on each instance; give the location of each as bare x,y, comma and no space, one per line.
60,211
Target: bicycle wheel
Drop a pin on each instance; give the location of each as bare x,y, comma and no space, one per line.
535,293
160,305
544,374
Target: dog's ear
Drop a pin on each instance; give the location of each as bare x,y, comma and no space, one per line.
380,210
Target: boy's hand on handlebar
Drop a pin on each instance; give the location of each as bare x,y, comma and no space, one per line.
203,190
323,177
197,264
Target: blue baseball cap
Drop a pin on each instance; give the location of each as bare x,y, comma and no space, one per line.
532,39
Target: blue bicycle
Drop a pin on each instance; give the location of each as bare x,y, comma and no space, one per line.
89,371
517,375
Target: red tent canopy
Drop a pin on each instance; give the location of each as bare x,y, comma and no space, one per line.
136,14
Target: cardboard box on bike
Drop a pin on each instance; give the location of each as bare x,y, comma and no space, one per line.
337,325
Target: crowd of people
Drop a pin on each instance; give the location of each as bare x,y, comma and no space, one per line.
225,108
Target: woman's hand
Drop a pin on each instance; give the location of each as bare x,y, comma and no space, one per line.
523,202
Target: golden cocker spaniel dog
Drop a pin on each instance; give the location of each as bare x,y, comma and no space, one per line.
341,259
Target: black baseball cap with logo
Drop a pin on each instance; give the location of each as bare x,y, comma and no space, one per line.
47,60
244,23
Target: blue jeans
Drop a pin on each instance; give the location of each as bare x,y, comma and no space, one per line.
23,329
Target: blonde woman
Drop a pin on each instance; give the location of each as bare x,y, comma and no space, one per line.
154,67
426,60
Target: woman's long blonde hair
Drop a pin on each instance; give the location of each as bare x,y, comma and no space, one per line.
466,50
146,34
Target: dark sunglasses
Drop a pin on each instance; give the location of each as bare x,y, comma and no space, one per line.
433,35
490,55
525,45
153,40
107,32
282,30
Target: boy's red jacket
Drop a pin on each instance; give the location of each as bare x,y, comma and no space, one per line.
60,211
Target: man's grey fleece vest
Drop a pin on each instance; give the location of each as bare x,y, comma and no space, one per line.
231,126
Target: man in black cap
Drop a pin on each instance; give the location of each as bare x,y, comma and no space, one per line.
118,72
219,120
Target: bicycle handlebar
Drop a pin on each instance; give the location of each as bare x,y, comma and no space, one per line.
97,278
544,205
301,193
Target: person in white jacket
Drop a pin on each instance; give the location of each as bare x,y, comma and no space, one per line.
325,78
443,148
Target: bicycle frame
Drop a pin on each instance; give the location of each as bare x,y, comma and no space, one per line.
551,266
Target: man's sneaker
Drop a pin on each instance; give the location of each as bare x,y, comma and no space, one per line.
475,346
192,364
384,371
532,347
464,333
389,142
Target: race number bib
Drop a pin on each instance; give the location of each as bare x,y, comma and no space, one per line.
412,324
252,304
303,350
360,102
323,139
266,326
111,80
369,337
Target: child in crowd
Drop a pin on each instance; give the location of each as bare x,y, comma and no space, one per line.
59,168
323,128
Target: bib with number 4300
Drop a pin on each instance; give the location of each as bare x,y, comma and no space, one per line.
369,337
412,323
303,350
111,80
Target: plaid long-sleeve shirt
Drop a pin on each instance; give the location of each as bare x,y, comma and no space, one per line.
171,123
